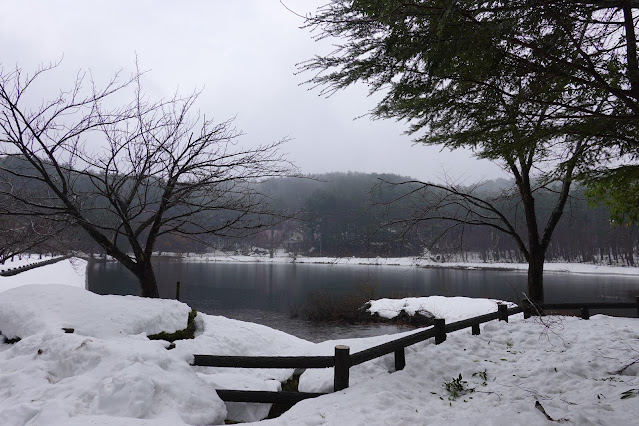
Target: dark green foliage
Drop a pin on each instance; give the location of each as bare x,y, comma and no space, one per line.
618,190
630,393
457,387
186,333
464,70
547,89
344,210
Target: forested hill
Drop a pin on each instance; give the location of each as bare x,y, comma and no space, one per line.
347,214
360,214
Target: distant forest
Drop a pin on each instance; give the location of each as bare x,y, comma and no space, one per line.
347,214
351,214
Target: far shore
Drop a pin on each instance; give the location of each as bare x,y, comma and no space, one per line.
419,262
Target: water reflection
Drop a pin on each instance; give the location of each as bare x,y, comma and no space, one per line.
265,293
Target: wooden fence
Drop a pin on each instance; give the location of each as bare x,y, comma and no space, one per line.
342,360
584,308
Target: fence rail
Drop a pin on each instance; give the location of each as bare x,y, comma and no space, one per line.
265,396
263,361
530,309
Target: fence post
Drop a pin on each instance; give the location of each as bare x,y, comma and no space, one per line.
502,308
342,364
440,330
400,359
177,291
585,313
475,330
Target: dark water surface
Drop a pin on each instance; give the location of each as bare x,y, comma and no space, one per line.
266,293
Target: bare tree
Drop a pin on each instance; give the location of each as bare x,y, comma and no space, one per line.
128,175
514,212
24,235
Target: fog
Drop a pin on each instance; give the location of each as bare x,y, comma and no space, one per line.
242,55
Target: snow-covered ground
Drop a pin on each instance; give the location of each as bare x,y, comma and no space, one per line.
109,373
570,367
70,271
283,257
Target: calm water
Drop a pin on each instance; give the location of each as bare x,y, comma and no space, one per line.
266,293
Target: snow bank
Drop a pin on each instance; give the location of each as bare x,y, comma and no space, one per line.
32,309
48,378
69,272
108,372
108,367
450,308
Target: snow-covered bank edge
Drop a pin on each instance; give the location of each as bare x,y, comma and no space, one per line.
419,262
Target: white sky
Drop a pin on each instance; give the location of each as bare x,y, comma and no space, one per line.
242,53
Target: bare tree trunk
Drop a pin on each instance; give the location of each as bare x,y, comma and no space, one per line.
536,276
148,283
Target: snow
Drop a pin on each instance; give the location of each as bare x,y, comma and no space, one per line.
570,366
68,272
450,308
109,373
420,262
32,309
109,368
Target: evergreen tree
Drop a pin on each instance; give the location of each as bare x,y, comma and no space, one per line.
538,86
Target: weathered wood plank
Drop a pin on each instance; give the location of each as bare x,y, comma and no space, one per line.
342,366
502,310
263,361
389,347
265,396
440,330
400,359
592,305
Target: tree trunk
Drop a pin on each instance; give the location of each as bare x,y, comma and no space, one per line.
146,277
536,277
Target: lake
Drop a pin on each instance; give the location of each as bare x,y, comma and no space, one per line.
266,293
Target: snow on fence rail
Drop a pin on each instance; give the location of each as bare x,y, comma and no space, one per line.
15,271
342,361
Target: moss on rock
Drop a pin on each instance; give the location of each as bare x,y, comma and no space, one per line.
186,333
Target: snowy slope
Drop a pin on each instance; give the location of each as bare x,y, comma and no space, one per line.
568,365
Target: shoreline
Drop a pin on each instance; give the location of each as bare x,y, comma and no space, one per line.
407,262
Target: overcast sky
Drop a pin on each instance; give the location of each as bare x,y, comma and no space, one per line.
242,53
